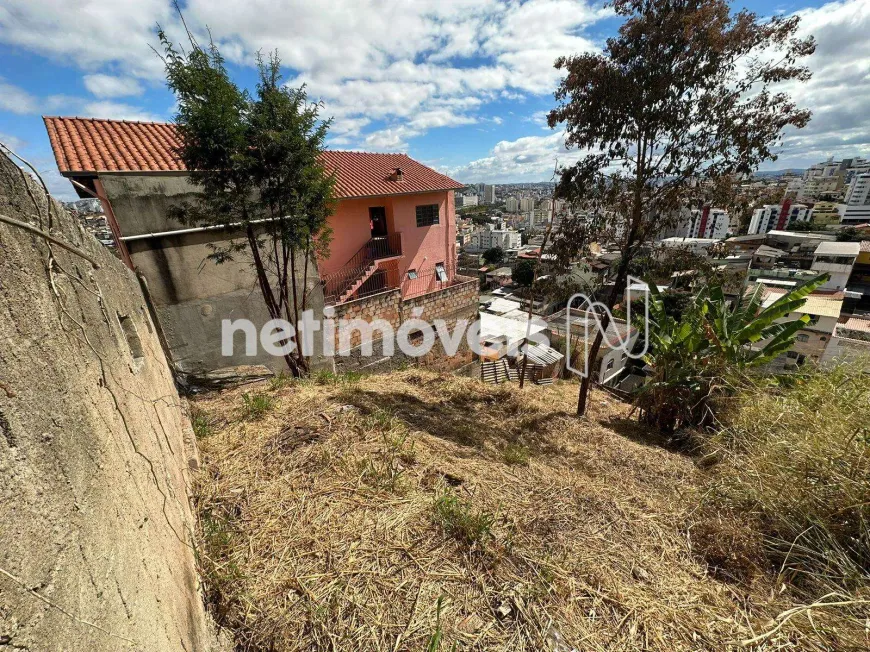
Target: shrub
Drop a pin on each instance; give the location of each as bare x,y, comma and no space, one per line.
201,422
461,521
516,454
255,406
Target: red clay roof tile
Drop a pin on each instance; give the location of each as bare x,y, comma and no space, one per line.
89,145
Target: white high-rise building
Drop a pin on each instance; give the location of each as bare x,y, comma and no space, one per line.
857,207
466,200
768,218
527,204
512,205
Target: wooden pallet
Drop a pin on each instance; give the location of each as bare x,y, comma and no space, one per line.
497,371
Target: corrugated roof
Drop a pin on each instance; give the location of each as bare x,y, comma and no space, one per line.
852,323
90,145
543,355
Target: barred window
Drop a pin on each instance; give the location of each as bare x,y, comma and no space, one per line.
440,272
427,215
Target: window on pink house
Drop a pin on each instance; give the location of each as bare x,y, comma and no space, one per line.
427,215
440,272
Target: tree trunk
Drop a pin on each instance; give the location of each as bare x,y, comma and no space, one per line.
268,296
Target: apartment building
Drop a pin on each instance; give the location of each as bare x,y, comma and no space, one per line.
512,205
489,237
856,209
823,309
774,217
825,213
488,194
838,260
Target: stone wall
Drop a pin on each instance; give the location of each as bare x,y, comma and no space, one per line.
459,301
95,450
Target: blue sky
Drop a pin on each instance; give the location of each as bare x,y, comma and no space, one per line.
462,85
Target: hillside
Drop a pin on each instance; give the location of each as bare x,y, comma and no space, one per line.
417,511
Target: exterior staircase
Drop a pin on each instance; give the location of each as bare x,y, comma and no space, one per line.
364,276
370,260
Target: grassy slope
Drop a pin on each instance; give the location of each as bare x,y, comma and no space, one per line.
341,515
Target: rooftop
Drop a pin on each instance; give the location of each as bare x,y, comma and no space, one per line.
853,323
86,146
838,249
819,304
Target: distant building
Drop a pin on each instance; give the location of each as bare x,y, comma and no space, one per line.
772,217
836,259
823,309
825,213
857,206
488,238
488,194
527,204
512,205
463,201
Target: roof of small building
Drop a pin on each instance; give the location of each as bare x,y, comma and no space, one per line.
512,330
772,252
500,306
853,323
543,355
92,145
820,304
838,249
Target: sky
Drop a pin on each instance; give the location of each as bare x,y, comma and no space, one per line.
461,85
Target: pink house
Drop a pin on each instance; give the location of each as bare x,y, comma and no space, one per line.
395,227
393,245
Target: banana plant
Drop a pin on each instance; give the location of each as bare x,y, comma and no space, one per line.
691,358
735,330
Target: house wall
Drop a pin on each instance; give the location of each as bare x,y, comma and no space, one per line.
451,304
193,294
423,247
841,349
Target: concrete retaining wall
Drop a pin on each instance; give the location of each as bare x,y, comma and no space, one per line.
95,451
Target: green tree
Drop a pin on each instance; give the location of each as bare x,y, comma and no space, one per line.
850,234
523,272
671,112
696,358
493,256
802,227
255,160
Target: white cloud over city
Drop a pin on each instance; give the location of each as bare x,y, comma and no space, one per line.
393,72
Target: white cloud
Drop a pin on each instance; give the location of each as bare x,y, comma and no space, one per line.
368,60
531,158
116,111
89,34
12,142
15,99
108,86
839,92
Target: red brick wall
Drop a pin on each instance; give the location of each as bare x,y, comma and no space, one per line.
459,301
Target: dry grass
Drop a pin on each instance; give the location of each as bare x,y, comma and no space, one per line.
382,514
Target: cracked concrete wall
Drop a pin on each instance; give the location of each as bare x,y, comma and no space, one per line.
95,451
